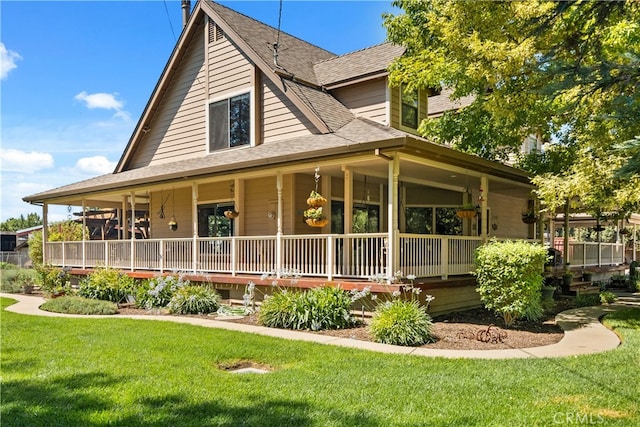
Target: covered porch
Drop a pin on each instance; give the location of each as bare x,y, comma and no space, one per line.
387,210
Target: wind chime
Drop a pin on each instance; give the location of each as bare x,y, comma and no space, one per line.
314,216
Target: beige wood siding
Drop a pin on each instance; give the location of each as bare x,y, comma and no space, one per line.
261,197
366,99
280,118
229,69
506,212
177,129
215,192
181,209
432,196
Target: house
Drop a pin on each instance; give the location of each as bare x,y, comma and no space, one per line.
239,131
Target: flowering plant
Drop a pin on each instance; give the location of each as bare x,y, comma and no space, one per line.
314,213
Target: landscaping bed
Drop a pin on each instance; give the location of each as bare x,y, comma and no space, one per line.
458,331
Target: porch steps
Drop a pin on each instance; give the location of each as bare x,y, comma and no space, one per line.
581,288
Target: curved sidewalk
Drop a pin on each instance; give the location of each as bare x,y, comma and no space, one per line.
583,333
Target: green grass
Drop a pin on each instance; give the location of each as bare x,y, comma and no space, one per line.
94,372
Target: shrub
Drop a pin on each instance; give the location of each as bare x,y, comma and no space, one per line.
194,299
401,322
607,297
157,292
509,277
585,300
79,305
52,279
106,284
325,307
7,266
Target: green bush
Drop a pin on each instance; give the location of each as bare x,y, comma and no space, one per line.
607,297
53,279
7,266
157,292
586,300
321,308
401,322
79,305
194,299
106,284
509,277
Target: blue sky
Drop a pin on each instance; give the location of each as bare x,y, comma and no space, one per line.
76,75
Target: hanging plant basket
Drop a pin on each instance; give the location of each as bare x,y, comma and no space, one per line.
231,214
173,225
316,222
465,213
598,228
315,199
624,231
529,219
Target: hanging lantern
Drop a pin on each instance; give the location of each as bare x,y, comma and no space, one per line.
173,225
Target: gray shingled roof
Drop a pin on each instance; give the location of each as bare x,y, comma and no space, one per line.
438,104
295,56
353,137
356,64
333,113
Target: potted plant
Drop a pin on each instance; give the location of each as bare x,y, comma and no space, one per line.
467,210
567,279
231,214
547,291
314,217
316,199
529,217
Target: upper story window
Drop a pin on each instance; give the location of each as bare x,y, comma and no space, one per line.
230,122
409,107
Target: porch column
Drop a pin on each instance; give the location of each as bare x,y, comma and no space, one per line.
325,184
194,225
348,200
123,219
634,242
45,231
133,229
392,215
238,203
484,185
84,233
279,223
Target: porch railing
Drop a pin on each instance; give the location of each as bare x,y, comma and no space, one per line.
592,254
331,256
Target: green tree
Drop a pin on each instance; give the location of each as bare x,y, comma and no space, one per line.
63,231
566,72
15,224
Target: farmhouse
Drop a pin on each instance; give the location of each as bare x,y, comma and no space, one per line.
237,134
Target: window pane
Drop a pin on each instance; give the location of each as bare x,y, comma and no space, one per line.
447,222
410,108
239,117
218,126
419,220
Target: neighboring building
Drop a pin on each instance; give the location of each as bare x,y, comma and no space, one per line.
234,125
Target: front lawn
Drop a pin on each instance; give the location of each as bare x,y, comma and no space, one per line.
91,372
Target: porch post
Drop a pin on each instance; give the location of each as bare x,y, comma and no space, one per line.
484,185
279,223
84,233
347,245
392,216
45,231
123,219
238,202
634,242
194,225
133,229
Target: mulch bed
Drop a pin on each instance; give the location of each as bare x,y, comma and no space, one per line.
459,331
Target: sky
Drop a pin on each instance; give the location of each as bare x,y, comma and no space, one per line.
75,77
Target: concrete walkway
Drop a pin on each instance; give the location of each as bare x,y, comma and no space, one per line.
583,332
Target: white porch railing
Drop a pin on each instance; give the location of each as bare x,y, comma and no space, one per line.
592,254
331,256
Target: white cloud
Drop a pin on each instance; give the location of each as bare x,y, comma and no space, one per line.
8,59
12,160
107,101
96,165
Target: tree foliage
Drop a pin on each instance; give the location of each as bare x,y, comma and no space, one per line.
63,231
567,72
15,224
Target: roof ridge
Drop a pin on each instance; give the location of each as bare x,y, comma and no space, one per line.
352,52
270,26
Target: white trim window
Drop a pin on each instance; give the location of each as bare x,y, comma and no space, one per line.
409,105
230,122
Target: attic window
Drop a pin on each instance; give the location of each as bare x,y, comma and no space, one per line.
230,122
215,32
